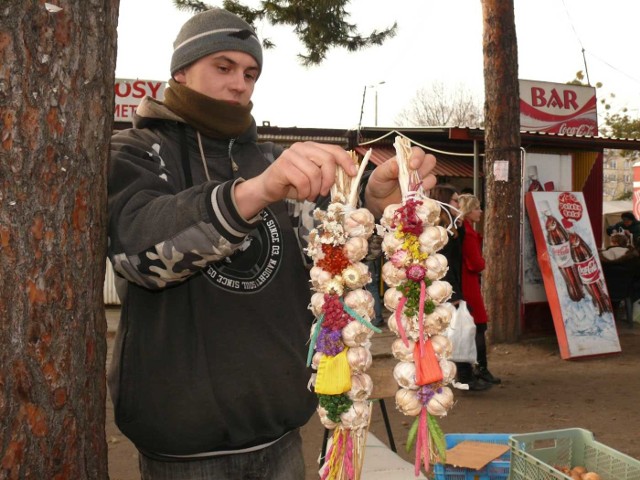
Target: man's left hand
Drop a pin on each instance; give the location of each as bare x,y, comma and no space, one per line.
383,188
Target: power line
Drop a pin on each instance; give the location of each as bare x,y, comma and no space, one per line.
575,32
614,68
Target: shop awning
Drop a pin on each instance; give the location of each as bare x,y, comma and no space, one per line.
447,165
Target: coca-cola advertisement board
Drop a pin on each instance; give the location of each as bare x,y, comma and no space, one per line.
558,108
572,274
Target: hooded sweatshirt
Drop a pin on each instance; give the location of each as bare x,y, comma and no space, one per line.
211,347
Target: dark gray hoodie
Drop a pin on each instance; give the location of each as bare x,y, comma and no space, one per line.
210,352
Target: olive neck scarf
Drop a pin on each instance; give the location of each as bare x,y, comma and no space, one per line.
213,118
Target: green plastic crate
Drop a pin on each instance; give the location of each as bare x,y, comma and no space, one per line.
534,455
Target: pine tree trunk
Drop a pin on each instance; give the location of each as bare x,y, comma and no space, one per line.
501,280
56,113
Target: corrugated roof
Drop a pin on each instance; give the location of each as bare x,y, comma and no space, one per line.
447,165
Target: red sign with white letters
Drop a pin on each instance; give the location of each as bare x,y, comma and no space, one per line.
558,108
130,92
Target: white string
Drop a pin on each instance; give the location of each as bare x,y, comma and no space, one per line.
204,162
456,154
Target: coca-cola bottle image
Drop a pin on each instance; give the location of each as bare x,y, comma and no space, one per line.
558,240
534,183
589,271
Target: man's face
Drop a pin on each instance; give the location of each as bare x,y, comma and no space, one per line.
228,76
627,222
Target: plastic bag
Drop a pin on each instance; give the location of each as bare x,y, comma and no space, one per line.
462,334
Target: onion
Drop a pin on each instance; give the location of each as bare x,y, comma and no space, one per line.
591,476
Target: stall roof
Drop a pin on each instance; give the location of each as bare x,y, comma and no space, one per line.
582,142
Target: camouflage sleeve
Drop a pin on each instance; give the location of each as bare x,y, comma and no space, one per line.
160,234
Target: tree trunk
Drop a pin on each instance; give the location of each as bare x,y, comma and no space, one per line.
501,281
56,114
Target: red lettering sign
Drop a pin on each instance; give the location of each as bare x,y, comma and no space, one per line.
541,98
569,206
129,94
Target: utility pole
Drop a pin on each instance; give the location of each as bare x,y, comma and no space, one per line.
375,104
501,279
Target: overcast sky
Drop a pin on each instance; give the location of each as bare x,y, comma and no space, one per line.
437,41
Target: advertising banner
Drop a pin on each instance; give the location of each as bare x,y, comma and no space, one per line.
552,172
573,279
558,108
130,92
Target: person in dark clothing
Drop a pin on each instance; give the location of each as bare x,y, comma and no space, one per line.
448,196
628,224
206,231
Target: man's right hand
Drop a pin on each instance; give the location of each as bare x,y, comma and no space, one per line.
304,171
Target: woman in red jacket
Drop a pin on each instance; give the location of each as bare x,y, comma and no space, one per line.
472,265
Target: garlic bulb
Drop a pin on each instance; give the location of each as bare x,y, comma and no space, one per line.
437,266
428,211
365,275
317,301
315,360
432,239
359,223
445,313
401,351
441,402
361,387
356,248
391,244
393,276
441,345
360,301
400,259
392,298
439,291
388,216
325,420
319,278
407,402
357,416
432,324
354,334
359,359
449,370
393,325
405,375
437,321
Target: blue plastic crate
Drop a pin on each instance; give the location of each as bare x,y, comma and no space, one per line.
495,470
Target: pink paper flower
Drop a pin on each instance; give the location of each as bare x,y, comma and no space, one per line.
416,272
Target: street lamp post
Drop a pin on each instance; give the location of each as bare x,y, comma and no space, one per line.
376,101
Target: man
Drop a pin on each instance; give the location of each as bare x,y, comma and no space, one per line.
205,225
628,224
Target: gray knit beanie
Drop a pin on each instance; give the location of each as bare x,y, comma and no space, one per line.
215,30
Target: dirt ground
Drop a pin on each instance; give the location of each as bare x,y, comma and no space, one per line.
539,392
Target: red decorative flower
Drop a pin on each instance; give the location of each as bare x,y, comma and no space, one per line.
416,272
334,260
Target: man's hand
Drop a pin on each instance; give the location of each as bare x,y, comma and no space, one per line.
303,172
383,187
